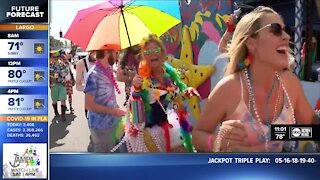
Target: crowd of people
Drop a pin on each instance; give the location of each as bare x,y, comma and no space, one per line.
236,117
61,82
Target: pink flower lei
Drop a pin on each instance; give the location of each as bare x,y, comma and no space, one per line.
109,73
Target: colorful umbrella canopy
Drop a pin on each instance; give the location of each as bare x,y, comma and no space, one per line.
122,23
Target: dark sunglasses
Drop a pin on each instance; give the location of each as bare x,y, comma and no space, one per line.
275,28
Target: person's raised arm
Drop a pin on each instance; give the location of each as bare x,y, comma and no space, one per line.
231,24
79,75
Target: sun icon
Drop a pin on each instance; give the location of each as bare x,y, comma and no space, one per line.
39,48
37,104
37,76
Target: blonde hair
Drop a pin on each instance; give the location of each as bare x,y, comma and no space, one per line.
152,38
246,28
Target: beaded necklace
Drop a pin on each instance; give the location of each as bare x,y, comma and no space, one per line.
290,105
108,72
172,79
267,105
167,85
253,106
169,72
268,101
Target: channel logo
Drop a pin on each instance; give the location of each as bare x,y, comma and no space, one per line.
301,132
24,160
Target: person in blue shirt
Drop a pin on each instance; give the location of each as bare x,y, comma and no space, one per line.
103,111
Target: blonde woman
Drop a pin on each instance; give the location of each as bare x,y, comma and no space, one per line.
159,125
256,92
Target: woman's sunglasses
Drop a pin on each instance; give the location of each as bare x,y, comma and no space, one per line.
275,28
152,51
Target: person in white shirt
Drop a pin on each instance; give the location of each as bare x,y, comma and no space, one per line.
83,66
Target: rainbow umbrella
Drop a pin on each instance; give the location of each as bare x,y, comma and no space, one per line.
122,22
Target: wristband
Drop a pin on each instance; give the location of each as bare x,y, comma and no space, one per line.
210,145
230,27
136,95
136,88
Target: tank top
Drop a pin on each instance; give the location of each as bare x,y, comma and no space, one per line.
252,127
88,66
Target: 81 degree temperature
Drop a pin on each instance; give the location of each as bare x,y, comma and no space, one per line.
13,101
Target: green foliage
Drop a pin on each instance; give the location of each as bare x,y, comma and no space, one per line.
55,44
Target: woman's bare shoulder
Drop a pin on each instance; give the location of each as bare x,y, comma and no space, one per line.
229,83
292,84
290,79
226,94
228,87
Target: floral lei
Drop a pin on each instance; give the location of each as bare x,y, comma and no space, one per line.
108,72
172,74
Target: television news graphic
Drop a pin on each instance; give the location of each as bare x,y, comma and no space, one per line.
24,160
189,166
24,100
24,90
295,132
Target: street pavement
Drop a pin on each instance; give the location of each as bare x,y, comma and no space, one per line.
73,135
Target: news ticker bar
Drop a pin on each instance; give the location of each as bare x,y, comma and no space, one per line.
295,132
191,166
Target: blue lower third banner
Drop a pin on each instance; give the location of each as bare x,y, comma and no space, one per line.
185,166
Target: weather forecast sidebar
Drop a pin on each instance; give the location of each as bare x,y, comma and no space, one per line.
24,89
